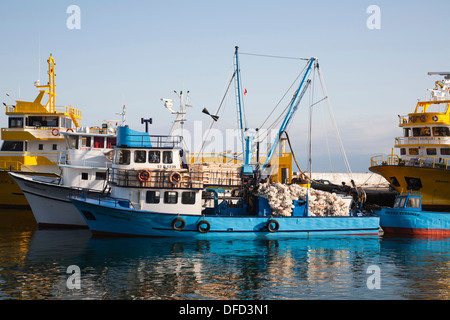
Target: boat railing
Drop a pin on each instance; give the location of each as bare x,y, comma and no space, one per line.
101,198
173,178
400,141
100,161
157,141
412,161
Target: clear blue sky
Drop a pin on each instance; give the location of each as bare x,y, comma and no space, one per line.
137,52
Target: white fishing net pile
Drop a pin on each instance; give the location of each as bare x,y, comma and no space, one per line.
321,203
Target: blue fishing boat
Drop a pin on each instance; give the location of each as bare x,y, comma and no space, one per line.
155,192
407,217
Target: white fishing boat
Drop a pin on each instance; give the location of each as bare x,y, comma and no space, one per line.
83,166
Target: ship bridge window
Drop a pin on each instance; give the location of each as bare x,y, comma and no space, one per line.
110,142
14,122
406,132
167,157
154,156
171,197
99,142
188,197
441,132
152,197
12,146
41,121
140,156
122,157
72,142
66,123
86,142
414,151
431,151
421,132
445,151
413,202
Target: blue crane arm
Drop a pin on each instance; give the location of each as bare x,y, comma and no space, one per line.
292,108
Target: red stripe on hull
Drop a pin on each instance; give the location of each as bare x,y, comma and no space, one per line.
417,231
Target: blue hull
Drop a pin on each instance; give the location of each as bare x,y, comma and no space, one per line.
110,220
414,222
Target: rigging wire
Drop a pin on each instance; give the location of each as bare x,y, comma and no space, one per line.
217,112
271,56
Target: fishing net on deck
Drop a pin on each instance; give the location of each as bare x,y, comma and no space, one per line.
321,203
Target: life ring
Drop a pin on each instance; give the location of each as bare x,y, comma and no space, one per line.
412,118
55,132
144,175
435,118
423,118
69,130
202,229
275,226
175,178
175,224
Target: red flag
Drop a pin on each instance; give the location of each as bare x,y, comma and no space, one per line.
245,92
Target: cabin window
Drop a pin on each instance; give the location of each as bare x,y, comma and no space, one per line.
441,132
140,156
402,151
66,123
84,176
414,151
15,122
188,197
401,203
99,142
123,157
54,147
421,132
40,146
86,142
39,121
72,142
12,146
152,197
154,156
406,132
110,142
171,197
100,176
445,151
167,157
431,151
413,203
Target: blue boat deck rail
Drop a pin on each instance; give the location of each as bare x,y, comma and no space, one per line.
101,198
172,178
156,141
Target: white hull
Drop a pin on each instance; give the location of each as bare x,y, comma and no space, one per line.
49,203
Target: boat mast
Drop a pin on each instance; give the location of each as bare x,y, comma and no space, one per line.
240,115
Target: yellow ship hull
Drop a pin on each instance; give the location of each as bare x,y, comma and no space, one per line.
432,183
11,196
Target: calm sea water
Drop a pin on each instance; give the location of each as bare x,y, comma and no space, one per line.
34,265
